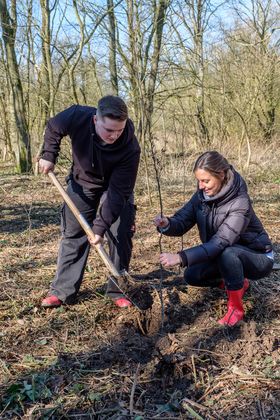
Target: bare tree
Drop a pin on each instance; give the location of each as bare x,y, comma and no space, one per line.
249,70
21,142
191,23
48,92
6,149
139,47
112,47
141,56
264,21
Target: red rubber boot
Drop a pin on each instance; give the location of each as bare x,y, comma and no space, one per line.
246,286
235,311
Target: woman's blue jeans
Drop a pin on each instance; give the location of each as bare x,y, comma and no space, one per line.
232,265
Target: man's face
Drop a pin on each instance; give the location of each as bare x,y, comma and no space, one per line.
107,129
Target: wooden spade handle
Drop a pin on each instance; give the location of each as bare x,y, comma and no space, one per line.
86,227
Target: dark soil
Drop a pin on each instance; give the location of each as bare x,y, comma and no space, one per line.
166,359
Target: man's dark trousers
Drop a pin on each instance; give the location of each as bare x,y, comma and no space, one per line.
74,246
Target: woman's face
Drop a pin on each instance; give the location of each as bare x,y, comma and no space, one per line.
209,183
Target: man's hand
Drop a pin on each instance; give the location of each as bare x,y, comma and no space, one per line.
97,240
161,221
168,260
45,166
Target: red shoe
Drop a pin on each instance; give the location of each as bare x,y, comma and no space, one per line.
51,301
235,311
246,286
122,303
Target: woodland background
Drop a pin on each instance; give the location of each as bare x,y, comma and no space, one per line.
197,75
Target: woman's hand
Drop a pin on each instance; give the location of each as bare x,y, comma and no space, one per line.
161,221
168,260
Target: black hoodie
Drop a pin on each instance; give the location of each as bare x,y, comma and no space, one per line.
97,167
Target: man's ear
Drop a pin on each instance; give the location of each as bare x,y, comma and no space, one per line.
94,119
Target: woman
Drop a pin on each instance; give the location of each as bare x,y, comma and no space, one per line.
234,243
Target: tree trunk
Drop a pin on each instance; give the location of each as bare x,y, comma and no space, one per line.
112,48
47,70
197,11
8,151
9,26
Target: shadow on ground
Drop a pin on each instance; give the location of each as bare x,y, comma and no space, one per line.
18,218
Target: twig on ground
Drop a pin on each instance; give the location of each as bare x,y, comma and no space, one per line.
186,405
131,399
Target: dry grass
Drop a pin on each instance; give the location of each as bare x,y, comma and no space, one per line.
93,361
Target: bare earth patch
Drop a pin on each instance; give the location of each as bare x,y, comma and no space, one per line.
92,360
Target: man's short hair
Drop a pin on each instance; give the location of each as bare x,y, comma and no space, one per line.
112,107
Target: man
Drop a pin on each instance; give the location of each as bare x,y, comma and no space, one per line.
105,154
